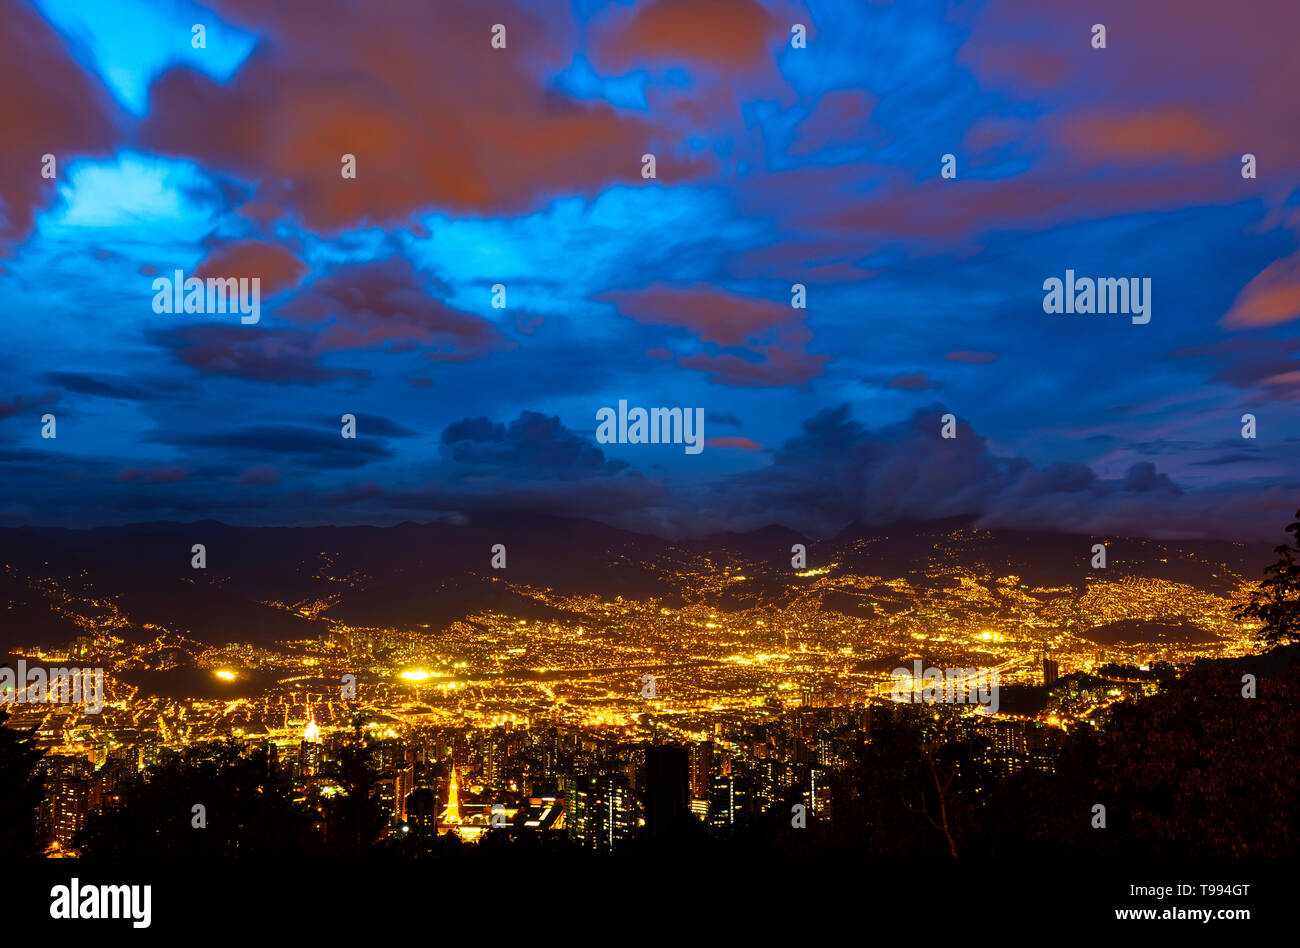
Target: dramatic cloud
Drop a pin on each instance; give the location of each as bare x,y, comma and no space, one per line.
276,267
1269,368
383,304
838,471
533,446
51,106
522,167
278,356
770,333
726,33
1272,297
101,386
322,446
434,116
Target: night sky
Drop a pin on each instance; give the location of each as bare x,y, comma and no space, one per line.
775,165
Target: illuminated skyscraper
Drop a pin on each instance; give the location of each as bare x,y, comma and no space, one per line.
392,788
310,750
451,815
1051,672
422,810
70,802
311,733
701,768
728,800
601,812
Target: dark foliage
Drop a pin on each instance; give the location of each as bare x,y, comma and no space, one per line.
250,811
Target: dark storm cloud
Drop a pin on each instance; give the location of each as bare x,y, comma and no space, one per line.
532,447
375,425
276,356
837,471
323,447
1269,368
387,305
104,386
1241,457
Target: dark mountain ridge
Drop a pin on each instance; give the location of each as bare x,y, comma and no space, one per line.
436,572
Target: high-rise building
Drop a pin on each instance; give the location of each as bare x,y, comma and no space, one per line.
69,801
310,751
727,800
601,813
422,810
391,790
701,769
818,796
404,782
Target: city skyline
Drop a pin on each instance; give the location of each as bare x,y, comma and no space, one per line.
687,697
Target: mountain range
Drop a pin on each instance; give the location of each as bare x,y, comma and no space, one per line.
268,584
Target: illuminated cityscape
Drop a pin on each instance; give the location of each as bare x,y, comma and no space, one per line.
766,681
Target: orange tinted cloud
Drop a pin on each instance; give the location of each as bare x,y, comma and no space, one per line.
433,115
50,106
771,333
1142,136
1237,74
775,367
282,357
1272,297
840,118
276,267
727,33
712,314
385,305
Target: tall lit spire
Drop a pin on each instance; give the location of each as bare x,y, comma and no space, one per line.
311,733
452,813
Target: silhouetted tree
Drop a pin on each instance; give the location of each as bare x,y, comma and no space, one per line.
1198,771
20,791
248,807
1203,771
1036,815
1276,600
908,796
355,818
